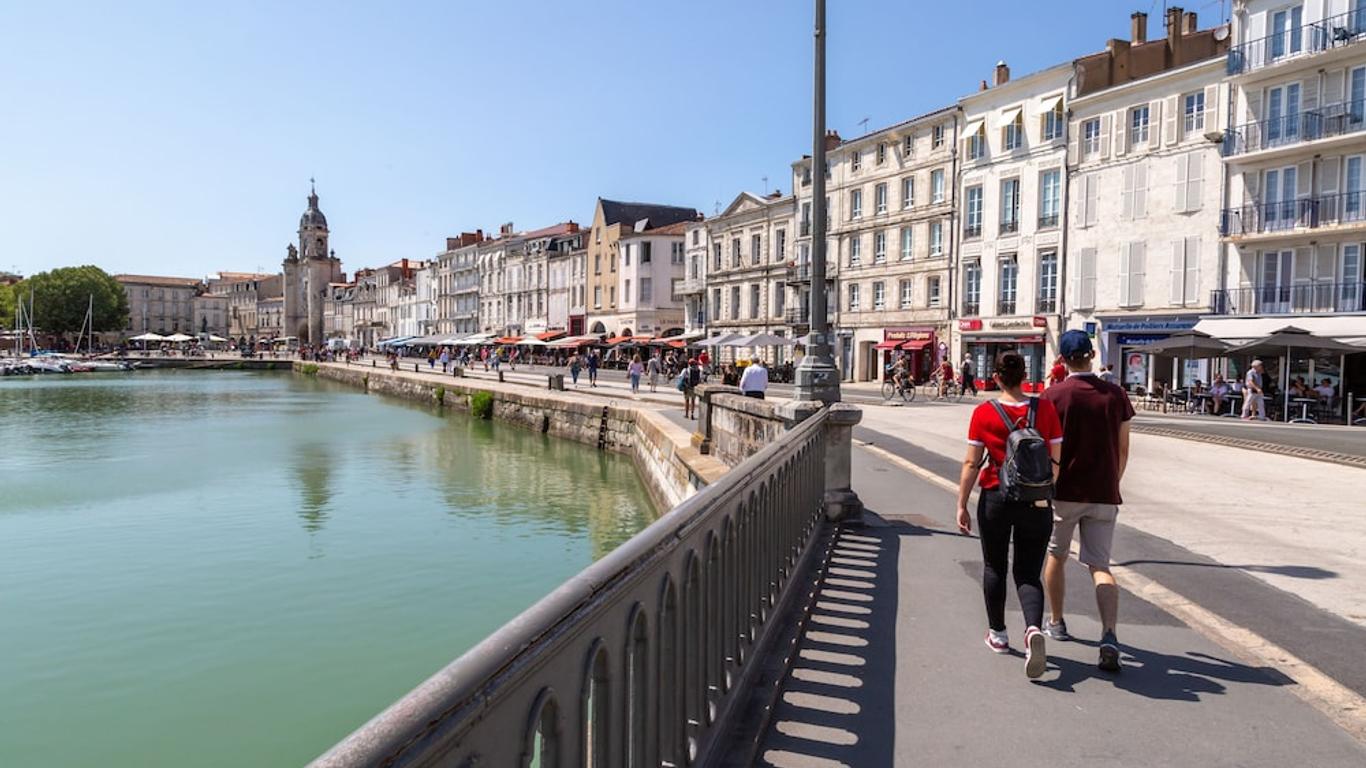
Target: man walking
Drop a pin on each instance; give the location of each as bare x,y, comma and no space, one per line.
1095,418
754,381
969,380
1254,403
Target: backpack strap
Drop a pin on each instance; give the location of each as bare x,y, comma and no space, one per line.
1011,426
1033,411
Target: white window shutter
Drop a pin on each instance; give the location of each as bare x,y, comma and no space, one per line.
1136,273
1333,84
1091,191
1154,124
1141,190
1106,128
1195,181
1073,150
1193,269
1304,179
1328,174
1309,97
1087,295
1126,196
1171,125
1121,133
1252,184
1213,106
1181,201
1178,272
1125,257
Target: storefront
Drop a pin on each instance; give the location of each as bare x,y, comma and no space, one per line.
1118,336
917,345
984,340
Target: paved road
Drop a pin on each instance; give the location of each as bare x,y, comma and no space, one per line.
892,669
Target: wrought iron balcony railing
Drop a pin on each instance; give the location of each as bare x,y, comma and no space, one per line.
1047,220
972,308
1005,307
799,273
1046,306
1308,39
1334,120
972,230
1285,215
1010,227
1290,299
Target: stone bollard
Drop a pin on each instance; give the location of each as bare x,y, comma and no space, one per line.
555,381
415,368
500,377
702,438
841,502
460,372
373,364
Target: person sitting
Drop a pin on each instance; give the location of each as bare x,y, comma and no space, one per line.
1296,388
1325,391
1218,390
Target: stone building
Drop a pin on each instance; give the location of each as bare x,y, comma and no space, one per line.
566,267
649,275
611,220
693,289
457,285
750,245
308,271
210,314
244,299
1144,166
157,304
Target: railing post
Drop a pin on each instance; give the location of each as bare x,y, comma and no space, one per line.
841,502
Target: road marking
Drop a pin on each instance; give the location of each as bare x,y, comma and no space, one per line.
1339,703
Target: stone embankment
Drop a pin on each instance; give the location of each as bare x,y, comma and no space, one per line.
671,467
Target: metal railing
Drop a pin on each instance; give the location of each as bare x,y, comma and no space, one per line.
1332,32
1334,120
1010,227
799,273
1285,215
1047,220
1290,299
641,658
1045,306
972,230
972,308
1005,306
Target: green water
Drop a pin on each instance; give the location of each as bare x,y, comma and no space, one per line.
237,569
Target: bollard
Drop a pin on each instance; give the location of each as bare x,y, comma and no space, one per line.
415,368
373,364
500,377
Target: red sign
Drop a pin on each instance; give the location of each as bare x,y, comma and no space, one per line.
969,325
1040,322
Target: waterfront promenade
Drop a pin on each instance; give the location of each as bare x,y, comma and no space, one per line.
1241,628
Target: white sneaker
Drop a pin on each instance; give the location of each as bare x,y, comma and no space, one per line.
1036,658
998,642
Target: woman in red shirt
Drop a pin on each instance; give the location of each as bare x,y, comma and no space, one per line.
1031,523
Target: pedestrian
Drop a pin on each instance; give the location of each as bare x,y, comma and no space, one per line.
1095,418
431,359
1254,400
652,370
445,359
633,372
688,381
1058,372
754,381
969,380
1107,374
704,360
593,367
574,365
1029,428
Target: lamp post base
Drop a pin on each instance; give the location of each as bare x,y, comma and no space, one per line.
817,379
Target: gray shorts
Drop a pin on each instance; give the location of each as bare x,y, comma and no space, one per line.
1097,523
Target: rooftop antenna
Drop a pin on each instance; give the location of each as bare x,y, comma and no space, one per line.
863,126
717,208
765,185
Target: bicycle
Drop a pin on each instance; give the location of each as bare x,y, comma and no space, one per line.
891,388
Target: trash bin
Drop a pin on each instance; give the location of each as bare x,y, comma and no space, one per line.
556,381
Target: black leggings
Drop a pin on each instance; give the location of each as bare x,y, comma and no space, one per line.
1033,526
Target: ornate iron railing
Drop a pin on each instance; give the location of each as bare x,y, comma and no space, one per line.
1294,42
642,657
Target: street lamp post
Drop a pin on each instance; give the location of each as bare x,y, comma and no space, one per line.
817,377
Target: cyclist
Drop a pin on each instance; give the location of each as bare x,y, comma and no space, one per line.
945,376
900,374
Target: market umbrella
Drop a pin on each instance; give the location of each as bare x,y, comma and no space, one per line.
179,337
803,341
1283,341
216,339
1185,345
717,341
531,341
766,340
148,337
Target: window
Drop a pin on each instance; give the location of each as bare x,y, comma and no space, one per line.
1050,197
1185,272
855,251
1286,26
755,244
880,247
645,252
1010,206
1053,122
937,136
908,192
612,295
754,290
1131,274
1086,201
853,297
1014,132
647,286
597,263
879,295
908,146
735,302
880,198
932,290
806,219
780,245
936,238
779,299
1138,127
716,303
881,154
855,160
972,214
907,242
675,253
695,234
1048,282
855,203
1008,274
1190,181
937,186
1090,137
1133,192
716,256
972,289
735,252
977,144
1282,113
597,297
1194,112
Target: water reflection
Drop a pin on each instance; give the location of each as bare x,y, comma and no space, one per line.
313,470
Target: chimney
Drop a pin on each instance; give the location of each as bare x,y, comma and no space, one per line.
573,226
982,86
452,243
832,140
1173,25
1189,21
479,235
1138,28
403,270
1002,73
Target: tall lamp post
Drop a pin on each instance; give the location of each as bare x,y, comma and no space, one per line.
817,377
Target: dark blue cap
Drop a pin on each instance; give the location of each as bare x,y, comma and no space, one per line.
1074,344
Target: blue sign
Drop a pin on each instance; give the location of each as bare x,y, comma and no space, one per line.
1133,339
1091,329
1165,325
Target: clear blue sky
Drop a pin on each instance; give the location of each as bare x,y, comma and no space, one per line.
178,138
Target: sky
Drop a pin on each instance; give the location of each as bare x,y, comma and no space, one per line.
179,138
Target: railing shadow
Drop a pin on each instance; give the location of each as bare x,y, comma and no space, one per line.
837,706
1293,571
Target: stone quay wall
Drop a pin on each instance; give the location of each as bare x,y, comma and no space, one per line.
670,466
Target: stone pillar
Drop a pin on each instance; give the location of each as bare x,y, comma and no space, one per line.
702,438
841,502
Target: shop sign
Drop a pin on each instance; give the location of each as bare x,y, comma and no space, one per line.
1012,324
1131,339
1040,322
1167,325
908,334
970,325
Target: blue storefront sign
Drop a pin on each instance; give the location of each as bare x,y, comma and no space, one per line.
1134,339
1164,325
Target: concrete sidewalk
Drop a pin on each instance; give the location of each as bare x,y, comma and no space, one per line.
892,670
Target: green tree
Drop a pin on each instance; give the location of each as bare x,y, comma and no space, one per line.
62,295
7,306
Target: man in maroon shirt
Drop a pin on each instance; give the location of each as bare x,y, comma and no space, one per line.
1095,418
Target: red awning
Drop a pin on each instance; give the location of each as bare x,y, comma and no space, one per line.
550,335
916,345
888,344
617,339
507,340
678,344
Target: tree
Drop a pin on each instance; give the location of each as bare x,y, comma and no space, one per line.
7,307
62,295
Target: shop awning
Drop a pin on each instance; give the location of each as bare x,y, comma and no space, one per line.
1051,103
507,339
678,344
974,128
550,335
888,344
915,345
617,340
1348,328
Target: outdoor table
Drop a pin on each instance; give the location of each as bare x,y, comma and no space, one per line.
1204,398
1233,399
1304,403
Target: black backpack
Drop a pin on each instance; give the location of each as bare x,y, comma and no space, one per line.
1027,473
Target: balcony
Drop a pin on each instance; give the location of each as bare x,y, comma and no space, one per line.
972,308
1048,220
1045,306
1010,227
799,273
1292,215
1290,299
802,315
971,231
691,285
1333,32
1005,307
1289,130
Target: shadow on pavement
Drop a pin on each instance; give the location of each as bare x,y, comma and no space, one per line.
1294,571
1166,676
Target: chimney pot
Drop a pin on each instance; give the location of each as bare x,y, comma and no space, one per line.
1190,23
1138,27
1002,73
1174,23
982,86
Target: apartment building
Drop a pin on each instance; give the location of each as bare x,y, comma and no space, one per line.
1295,146
750,245
244,310
1144,137
694,286
530,279
568,276
209,314
649,276
366,331
1013,193
457,285
894,193
159,304
611,220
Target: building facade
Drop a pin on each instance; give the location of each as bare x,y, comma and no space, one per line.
693,289
457,285
751,245
565,267
649,277
611,220
308,271
162,305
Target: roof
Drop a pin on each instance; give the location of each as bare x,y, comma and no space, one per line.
556,229
168,282
240,277
676,228
618,212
